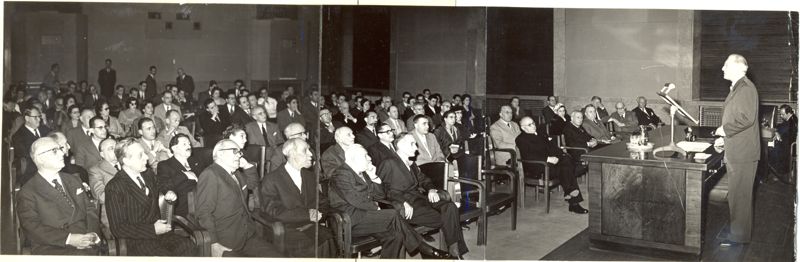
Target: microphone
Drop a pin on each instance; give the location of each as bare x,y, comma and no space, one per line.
667,87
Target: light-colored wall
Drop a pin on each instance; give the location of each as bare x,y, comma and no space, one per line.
622,54
123,33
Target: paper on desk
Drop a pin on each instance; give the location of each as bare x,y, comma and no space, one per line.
693,146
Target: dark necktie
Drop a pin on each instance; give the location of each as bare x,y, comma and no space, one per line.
36,133
391,147
116,166
141,184
63,193
264,133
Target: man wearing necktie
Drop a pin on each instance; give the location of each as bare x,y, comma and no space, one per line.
54,210
394,120
263,133
384,148
172,127
626,122
102,172
429,150
166,105
133,208
179,172
24,138
369,135
221,206
291,114
503,133
155,150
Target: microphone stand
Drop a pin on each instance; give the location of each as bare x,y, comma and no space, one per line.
671,147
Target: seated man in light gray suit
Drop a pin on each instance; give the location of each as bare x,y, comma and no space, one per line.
429,150
504,133
102,172
595,127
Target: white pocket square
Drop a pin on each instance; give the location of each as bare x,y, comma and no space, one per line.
79,191
243,187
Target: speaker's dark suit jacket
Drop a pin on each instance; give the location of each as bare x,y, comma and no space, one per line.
132,213
86,154
172,178
403,184
221,207
47,220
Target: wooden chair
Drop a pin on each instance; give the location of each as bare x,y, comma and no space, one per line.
469,211
546,182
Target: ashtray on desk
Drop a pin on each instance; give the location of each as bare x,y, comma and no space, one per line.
640,148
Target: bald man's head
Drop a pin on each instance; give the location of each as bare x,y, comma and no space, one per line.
527,125
344,136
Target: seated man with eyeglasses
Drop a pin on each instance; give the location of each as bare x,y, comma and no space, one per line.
221,210
23,139
54,210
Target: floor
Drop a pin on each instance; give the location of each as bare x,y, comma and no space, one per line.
773,234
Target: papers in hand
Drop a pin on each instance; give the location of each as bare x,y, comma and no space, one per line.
693,146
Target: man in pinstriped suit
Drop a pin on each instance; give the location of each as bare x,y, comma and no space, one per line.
132,207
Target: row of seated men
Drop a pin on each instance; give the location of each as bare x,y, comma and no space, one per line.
516,129
97,128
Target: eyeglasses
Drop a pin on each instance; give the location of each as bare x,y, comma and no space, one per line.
305,133
236,151
39,116
386,131
52,150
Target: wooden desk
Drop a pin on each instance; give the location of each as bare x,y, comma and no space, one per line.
649,202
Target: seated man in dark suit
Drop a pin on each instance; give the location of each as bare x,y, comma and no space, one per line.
177,174
55,212
646,116
384,148
785,135
212,123
369,135
334,156
404,182
549,111
354,188
625,122
533,146
345,117
289,194
221,209
576,136
326,129
133,209
23,139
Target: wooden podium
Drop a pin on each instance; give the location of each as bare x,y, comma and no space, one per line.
639,200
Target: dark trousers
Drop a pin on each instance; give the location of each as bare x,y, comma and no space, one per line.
168,244
64,251
444,215
311,242
254,247
390,229
741,176
564,170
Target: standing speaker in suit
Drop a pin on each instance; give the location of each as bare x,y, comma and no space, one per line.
107,78
54,209
740,131
133,210
151,91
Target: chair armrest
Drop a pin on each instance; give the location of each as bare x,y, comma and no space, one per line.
202,238
507,150
277,227
585,150
342,230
